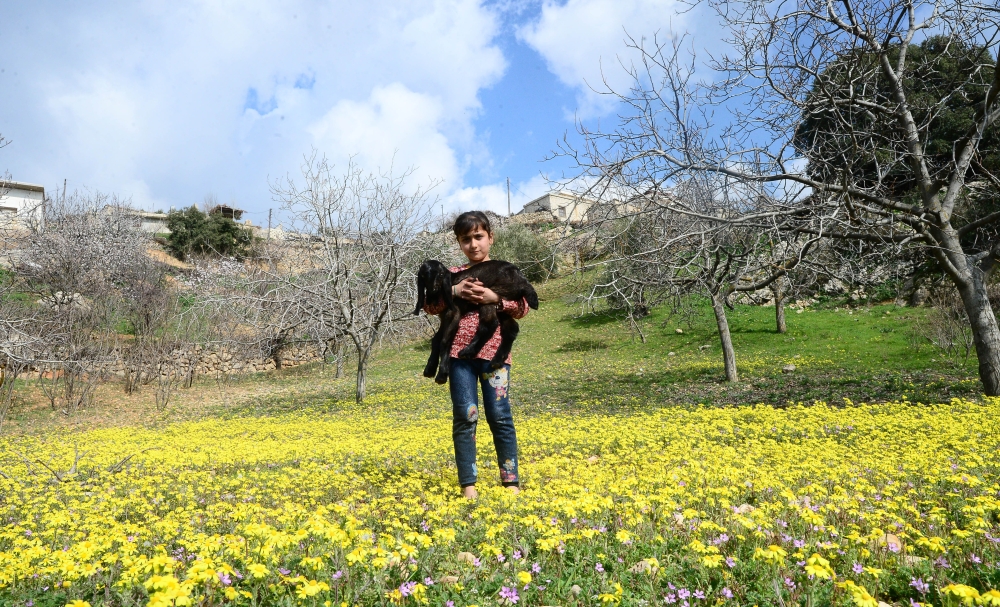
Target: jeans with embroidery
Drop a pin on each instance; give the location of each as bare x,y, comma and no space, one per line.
466,378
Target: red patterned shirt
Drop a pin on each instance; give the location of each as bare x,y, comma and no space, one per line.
468,324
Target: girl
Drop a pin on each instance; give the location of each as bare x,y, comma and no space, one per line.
475,237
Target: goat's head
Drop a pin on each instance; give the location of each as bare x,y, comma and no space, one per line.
433,284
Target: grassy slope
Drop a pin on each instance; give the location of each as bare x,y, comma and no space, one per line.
565,361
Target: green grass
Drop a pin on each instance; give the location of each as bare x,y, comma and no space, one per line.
563,357
566,361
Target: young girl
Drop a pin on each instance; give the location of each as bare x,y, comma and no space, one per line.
475,237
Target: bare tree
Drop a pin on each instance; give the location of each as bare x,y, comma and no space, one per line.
366,233
652,254
817,105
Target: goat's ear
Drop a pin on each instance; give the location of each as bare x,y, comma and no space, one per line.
421,287
532,298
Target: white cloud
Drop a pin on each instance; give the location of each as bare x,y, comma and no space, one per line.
154,95
583,41
395,128
493,197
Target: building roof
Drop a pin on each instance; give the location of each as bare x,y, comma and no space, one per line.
20,185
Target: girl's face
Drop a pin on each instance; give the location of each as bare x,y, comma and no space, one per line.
476,245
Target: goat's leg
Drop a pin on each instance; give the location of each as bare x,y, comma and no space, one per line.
508,333
449,327
487,326
432,360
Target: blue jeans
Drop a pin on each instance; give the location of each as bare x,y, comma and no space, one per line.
466,376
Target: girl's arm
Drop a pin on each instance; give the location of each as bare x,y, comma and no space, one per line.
434,309
516,309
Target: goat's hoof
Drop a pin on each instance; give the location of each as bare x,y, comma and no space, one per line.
441,379
429,372
465,354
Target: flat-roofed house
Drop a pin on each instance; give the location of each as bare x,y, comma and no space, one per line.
21,204
563,206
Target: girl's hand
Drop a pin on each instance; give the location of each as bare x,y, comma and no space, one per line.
473,290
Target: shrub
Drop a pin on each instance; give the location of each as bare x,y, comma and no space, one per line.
522,247
192,231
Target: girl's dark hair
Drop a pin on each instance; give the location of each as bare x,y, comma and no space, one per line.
469,221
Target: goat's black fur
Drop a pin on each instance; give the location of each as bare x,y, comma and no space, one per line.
434,282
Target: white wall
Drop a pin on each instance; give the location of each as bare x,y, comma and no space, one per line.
20,205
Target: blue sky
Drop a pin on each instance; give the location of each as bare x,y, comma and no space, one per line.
169,101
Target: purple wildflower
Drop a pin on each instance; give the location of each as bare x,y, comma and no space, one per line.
536,568
857,568
921,586
699,594
670,599
683,593
510,594
428,581
517,555
501,558
975,559
449,604
406,588
799,543
284,571
789,583
599,567
726,592
337,574
224,578
476,562
942,563
730,562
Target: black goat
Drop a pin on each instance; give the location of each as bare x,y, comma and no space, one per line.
434,283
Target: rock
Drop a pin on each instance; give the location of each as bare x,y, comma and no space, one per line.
449,579
890,541
743,509
797,356
671,354
643,566
789,368
467,557
919,297
884,604
593,459
575,590
679,331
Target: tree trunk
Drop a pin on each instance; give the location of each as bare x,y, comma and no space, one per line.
340,360
985,332
728,354
779,306
361,391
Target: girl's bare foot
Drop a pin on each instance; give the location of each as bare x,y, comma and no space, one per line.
470,492
514,489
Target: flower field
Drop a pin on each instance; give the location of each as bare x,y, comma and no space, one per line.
819,505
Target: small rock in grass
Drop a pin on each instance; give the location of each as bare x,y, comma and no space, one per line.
643,566
449,579
671,354
788,368
890,541
467,557
743,509
575,590
679,331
